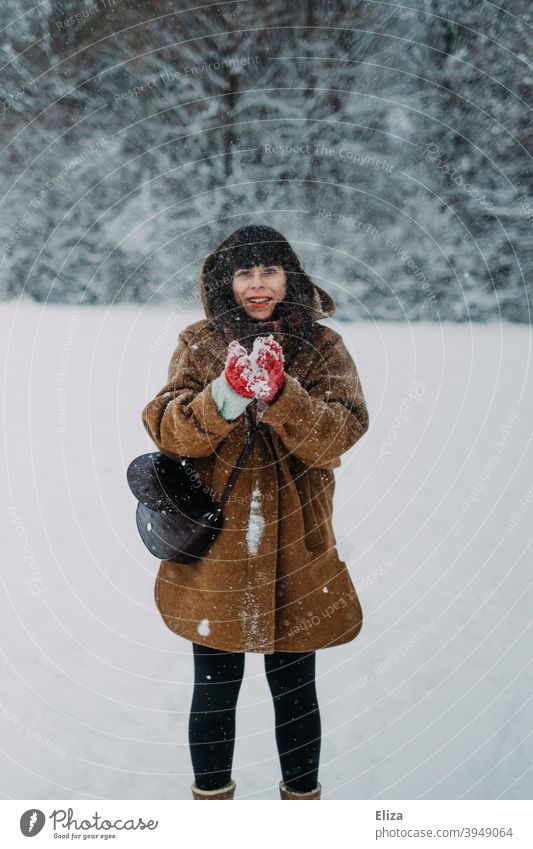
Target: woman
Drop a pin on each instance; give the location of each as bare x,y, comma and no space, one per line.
272,581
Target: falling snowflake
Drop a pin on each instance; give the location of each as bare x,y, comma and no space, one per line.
203,627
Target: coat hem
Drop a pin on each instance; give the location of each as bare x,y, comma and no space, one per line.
210,645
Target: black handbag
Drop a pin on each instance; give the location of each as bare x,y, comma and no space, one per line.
175,520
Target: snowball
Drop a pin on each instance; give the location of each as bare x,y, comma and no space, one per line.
254,375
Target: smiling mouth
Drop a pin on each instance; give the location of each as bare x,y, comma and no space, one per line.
258,302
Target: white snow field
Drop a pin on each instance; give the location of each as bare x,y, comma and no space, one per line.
433,515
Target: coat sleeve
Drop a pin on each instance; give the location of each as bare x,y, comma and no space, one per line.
321,420
183,418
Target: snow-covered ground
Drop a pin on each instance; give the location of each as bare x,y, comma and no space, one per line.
433,516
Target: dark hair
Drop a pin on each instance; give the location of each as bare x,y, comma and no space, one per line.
258,245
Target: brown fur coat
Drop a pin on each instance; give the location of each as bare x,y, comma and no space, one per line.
273,579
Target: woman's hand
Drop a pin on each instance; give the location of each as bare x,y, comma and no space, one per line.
260,374
267,356
239,370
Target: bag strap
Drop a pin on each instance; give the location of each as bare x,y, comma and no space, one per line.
256,427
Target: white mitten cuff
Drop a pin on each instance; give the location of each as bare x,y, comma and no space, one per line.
229,403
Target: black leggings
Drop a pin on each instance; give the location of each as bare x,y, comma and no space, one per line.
217,681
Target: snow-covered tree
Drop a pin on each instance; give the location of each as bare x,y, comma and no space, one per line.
391,143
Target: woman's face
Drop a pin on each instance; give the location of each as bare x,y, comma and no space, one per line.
259,289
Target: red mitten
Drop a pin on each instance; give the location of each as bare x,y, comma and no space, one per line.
238,370
268,362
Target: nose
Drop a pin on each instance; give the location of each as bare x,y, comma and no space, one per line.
257,278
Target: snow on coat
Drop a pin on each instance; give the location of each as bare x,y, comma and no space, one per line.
272,580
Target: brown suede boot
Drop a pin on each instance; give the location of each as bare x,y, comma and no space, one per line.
286,792
226,792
